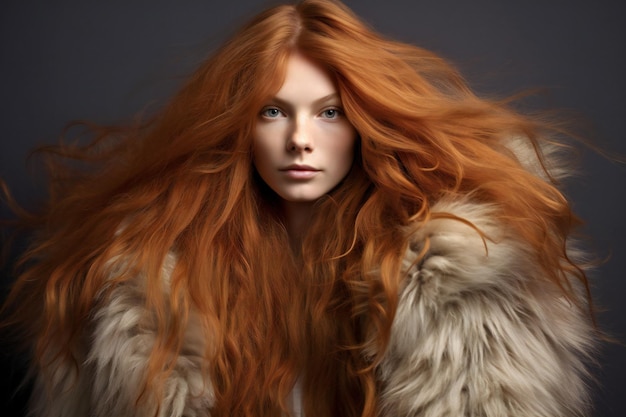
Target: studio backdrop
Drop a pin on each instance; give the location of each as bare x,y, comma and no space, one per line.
109,61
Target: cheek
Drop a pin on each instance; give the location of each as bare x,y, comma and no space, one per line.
343,146
264,145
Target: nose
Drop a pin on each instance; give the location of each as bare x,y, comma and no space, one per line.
300,138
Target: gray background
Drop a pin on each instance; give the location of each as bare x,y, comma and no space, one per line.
105,61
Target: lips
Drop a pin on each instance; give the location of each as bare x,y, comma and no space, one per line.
297,171
297,167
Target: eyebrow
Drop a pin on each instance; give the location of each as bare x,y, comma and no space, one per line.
322,100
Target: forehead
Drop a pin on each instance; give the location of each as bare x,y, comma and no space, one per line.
304,79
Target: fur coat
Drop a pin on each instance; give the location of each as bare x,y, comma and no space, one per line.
478,333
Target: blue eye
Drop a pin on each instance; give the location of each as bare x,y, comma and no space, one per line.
271,112
331,113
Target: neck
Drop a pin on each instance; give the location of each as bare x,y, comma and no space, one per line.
297,215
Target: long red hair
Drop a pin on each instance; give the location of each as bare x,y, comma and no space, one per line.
184,183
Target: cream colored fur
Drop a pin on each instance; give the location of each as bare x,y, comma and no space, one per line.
478,333
112,368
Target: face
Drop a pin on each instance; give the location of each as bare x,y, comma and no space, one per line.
303,144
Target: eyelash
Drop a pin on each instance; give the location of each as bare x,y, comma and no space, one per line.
265,111
337,112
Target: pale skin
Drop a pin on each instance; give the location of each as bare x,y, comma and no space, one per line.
303,143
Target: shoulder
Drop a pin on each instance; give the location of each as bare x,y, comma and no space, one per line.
467,247
465,255
478,329
466,241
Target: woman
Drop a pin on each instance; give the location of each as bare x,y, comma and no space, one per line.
321,219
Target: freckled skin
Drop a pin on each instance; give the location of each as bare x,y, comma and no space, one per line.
303,143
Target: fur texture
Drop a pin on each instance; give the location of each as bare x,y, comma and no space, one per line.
112,369
478,333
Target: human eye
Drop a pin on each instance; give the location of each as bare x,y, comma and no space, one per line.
331,113
271,112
